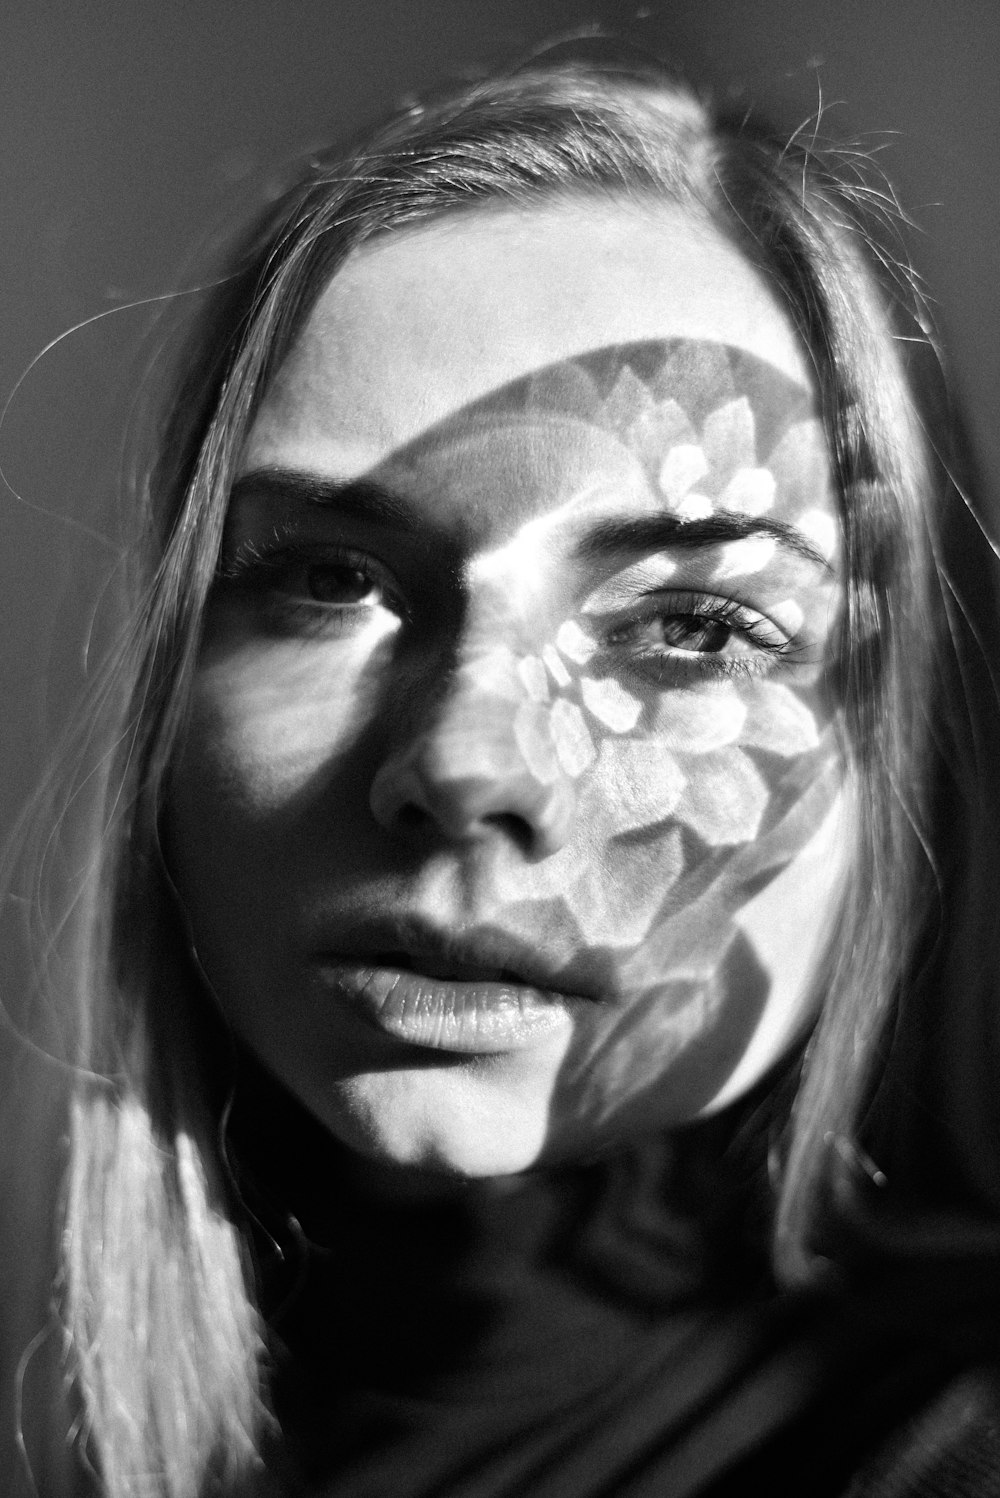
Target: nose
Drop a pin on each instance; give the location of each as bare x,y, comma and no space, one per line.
484,766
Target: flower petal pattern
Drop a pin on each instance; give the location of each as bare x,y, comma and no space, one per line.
532,672
788,615
680,470
699,722
574,745
729,436
644,780
560,675
821,530
725,801
610,703
779,722
533,737
659,428
575,642
743,558
695,507
628,395
701,757
750,491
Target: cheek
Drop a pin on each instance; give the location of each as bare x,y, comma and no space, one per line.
723,832
742,755
709,789
269,728
715,995
265,720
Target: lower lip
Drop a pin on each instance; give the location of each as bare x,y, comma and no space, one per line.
469,1017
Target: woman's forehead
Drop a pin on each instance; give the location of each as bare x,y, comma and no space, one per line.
666,443
422,324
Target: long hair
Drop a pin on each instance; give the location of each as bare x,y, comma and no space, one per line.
166,1352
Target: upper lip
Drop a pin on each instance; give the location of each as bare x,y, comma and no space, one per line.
474,953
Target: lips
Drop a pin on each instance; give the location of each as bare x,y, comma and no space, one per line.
433,965
414,943
478,993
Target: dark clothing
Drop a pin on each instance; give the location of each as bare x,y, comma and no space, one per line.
608,1330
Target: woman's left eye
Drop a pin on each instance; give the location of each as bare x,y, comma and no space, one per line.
697,632
714,634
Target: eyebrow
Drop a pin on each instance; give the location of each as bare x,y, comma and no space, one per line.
368,500
360,497
649,533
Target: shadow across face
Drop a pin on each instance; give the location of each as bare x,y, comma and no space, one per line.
519,760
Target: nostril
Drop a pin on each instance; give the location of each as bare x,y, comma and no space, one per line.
411,818
462,814
518,830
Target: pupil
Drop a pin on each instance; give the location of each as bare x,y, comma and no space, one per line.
690,632
338,584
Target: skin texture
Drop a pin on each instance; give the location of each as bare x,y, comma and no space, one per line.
518,660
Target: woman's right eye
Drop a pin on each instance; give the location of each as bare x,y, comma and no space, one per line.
312,586
342,584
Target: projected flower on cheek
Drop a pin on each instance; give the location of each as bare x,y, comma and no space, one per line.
681,695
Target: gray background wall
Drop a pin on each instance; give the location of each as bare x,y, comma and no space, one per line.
130,128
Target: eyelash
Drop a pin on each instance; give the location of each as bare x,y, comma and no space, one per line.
261,566
768,645
256,566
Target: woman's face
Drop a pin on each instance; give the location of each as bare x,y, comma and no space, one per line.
511,816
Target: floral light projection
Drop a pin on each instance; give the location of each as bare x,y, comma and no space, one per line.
699,781
598,635
711,786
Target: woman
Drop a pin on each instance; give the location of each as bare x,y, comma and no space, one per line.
522,908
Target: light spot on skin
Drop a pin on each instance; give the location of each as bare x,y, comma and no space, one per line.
819,527
724,802
574,745
695,507
620,590
533,737
644,781
699,722
680,471
560,675
611,704
780,722
742,558
532,673
659,428
613,904
750,491
788,615
574,643
729,436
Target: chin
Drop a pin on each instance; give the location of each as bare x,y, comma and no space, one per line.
456,1121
